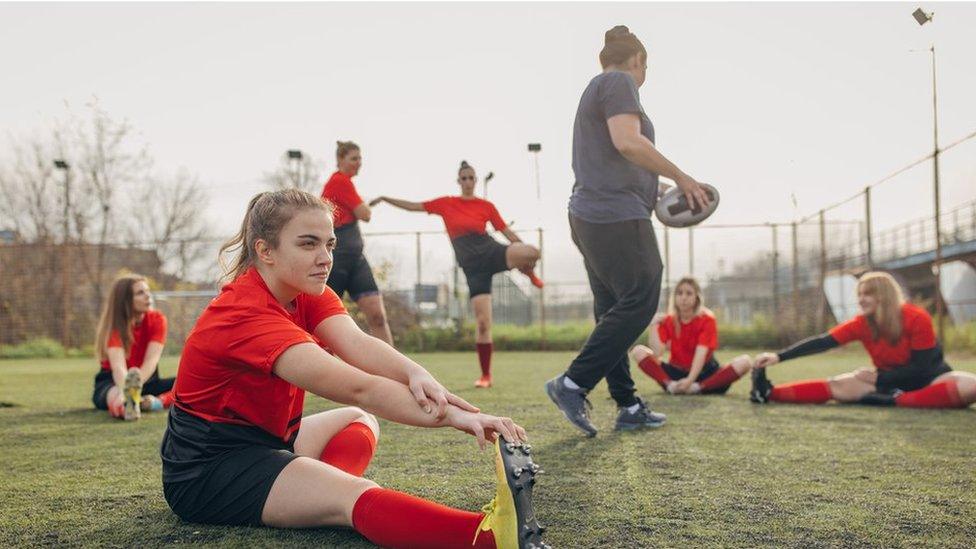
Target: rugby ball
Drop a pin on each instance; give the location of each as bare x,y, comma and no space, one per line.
673,209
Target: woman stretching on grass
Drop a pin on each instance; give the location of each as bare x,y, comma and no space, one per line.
129,343
479,255
689,332
908,366
237,449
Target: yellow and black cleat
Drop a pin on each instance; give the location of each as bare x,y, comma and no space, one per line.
133,394
509,515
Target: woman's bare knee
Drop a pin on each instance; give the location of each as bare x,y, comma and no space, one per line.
742,364
309,493
640,352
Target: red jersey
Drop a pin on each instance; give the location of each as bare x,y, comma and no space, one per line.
916,334
701,330
340,191
465,215
151,328
225,373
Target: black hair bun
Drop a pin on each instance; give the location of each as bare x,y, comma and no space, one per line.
464,164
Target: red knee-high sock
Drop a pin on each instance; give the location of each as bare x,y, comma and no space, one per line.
815,391
396,520
652,367
484,357
350,449
938,395
724,377
167,398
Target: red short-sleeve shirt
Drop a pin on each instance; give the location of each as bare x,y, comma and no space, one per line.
700,330
340,191
916,334
151,328
465,215
225,373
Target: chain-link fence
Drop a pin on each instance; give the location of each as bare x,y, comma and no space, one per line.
795,278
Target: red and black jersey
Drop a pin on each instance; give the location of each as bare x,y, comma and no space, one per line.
464,216
700,330
916,334
225,373
340,191
152,327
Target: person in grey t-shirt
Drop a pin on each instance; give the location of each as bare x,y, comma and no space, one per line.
617,169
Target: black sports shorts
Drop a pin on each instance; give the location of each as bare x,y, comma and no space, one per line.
155,385
217,473
480,257
917,381
350,270
708,370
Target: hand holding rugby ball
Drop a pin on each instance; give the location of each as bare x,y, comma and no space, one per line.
674,211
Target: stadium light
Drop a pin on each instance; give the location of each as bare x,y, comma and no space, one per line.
295,157
921,16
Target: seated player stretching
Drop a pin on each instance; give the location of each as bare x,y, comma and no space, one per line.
237,449
129,343
909,369
690,333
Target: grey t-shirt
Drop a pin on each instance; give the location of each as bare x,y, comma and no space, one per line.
609,188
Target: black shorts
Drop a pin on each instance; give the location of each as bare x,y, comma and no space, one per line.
217,473
155,385
917,381
480,257
708,370
350,270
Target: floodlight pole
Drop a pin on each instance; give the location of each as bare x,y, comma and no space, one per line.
922,17
65,256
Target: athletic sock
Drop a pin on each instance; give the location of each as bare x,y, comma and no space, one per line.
396,520
816,391
484,357
570,384
167,398
723,378
944,394
652,367
350,449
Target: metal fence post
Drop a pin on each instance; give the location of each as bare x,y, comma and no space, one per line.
867,229
775,274
796,277
822,308
691,251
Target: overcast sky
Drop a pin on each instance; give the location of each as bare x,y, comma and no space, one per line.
763,100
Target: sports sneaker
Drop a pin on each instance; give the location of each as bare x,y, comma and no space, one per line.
642,417
761,387
484,382
133,394
509,514
573,403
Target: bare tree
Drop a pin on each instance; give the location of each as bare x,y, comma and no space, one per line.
304,173
170,214
31,191
109,163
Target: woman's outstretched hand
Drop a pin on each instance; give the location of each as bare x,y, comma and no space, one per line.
484,427
766,359
433,397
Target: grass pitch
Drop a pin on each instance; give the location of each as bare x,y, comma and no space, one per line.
722,472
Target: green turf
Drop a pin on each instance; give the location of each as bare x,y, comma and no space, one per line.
722,472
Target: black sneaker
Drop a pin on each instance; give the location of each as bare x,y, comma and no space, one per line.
761,387
509,515
573,403
642,417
